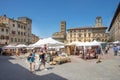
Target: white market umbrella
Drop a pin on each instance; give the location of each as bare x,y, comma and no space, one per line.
76,43
21,45
116,42
95,43
9,46
48,42
86,44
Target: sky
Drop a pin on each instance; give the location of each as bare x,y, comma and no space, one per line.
46,15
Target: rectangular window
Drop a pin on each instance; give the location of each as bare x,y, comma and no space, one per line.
24,40
6,30
7,37
18,40
21,33
89,34
24,33
15,40
18,32
13,25
11,39
18,25
2,30
2,37
13,32
21,40
21,27
24,28
84,35
79,35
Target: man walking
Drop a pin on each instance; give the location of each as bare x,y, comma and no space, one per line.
42,60
115,50
98,50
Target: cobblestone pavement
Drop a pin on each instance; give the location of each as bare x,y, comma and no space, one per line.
17,68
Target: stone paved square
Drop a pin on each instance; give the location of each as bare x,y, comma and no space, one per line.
17,68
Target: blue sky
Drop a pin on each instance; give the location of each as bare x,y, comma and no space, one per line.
47,14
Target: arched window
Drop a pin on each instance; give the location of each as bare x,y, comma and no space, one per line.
2,37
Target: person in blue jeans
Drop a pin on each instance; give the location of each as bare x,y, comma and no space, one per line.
115,50
31,60
99,53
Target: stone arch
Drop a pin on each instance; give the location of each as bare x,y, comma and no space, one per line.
98,39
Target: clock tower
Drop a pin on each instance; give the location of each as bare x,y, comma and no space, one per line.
98,22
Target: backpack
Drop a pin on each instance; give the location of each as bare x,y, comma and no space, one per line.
29,56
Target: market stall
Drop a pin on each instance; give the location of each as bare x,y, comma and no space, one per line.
8,49
60,58
85,49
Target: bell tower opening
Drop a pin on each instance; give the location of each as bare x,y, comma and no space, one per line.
98,22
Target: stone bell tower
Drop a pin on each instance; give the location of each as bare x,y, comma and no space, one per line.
98,21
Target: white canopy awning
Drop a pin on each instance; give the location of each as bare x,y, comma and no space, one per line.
9,46
77,43
116,42
21,45
49,42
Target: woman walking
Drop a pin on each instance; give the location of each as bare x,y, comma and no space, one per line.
32,61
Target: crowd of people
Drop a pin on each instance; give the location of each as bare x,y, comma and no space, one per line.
41,56
115,47
37,56
97,52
